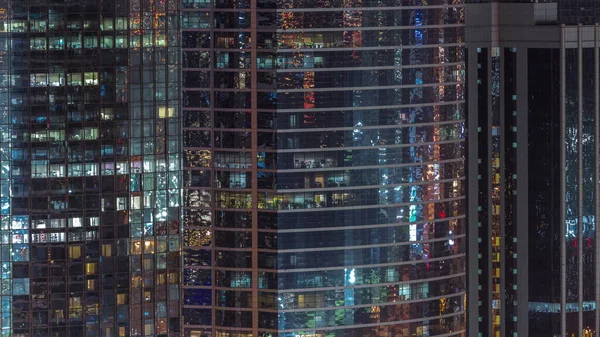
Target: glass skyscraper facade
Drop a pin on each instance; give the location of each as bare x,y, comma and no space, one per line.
232,168
90,169
533,169
324,168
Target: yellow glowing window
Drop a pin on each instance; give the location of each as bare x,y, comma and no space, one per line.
136,247
149,247
164,112
160,40
496,178
107,249
300,301
91,268
75,302
75,252
91,285
136,281
161,279
496,210
92,309
121,299
148,329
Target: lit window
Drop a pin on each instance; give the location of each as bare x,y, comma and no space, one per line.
148,264
74,252
121,299
107,42
149,247
74,79
121,23
39,80
107,114
38,224
37,25
91,268
57,170
107,24
149,328
57,237
164,112
91,170
57,223
108,168
56,79
39,168
56,43
91,133
121,204
136,247
74,42
90,42
136,202
18,26
122,168
121,41
161,279
75,170
173,278
75,222
136,281
90,78
107,250
56,135
37,43
148,295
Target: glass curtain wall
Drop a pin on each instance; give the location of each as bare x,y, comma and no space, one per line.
324,168
90,168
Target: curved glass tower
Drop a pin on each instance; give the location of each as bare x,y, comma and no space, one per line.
324,168
90,193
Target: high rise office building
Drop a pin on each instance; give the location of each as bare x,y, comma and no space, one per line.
90,156
323,183
324,168
533,171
